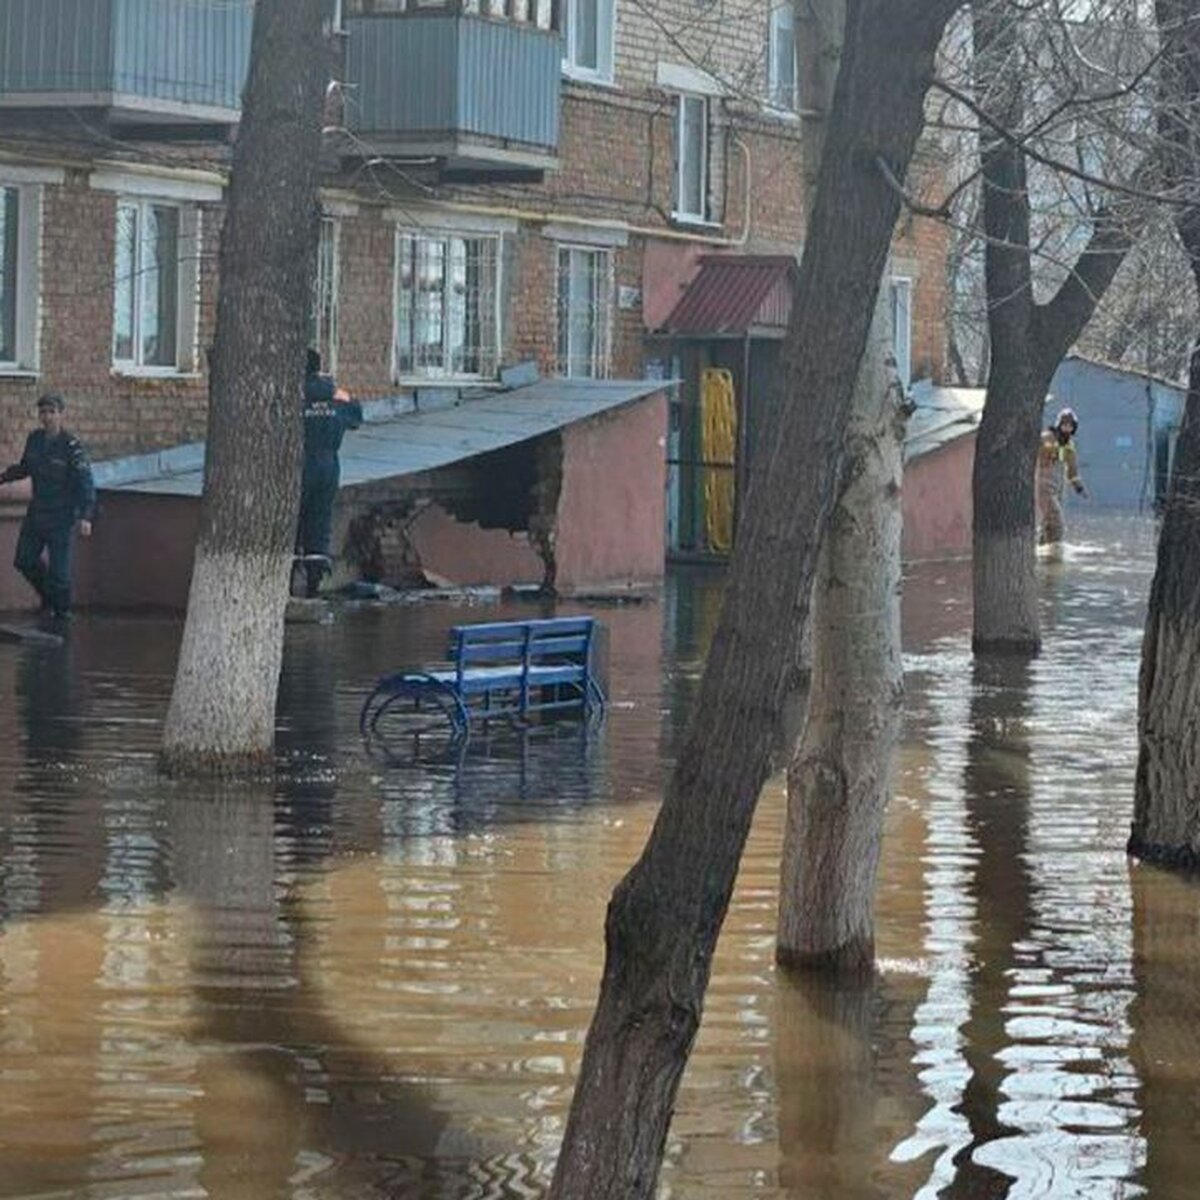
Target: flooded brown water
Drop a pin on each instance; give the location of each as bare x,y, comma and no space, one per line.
369,983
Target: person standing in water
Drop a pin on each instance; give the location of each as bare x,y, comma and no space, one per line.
1057,456
64,499
328,413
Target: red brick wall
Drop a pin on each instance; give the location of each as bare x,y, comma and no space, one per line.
113,414
617,163
531,328
367,249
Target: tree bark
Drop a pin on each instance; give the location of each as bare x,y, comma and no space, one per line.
665,916
1027,342
839,782
221,718
1166,821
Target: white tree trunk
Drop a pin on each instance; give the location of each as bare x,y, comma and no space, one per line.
232,647
1006,616
221,719
840,780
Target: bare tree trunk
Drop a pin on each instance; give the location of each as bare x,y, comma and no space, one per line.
222,714
1166,820
840,780
665,916
1027,342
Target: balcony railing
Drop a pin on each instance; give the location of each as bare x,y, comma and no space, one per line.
150,60
478,93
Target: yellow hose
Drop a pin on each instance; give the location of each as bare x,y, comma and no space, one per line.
718,415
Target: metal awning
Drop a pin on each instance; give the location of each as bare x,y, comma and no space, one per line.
736,295
400,439
942,415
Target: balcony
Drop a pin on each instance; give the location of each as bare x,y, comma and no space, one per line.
141,61
479,95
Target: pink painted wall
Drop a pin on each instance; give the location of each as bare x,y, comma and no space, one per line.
139,555
611,526
937,503
14,594
667,269
609,530
468,554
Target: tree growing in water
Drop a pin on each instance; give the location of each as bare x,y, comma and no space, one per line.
1166,824
839,780
665,916
1027,338
221,718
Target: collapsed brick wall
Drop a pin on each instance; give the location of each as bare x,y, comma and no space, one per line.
512,491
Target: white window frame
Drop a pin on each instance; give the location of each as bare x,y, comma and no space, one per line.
27,279
900,303
679,212
775,100
187,283
606,33
416,377
323,340
601,357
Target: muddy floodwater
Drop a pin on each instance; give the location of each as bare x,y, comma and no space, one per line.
361,982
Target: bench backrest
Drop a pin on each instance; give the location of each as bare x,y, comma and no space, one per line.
523,643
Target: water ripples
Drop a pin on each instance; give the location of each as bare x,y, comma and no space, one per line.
369,983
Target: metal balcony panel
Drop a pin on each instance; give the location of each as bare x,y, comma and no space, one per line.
186,51
184,59
482,90
56,46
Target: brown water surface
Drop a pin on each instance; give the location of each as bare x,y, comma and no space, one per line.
367,982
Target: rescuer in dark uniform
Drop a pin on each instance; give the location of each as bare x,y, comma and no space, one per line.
328,413
64,496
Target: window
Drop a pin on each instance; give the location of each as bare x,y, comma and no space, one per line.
781,58
148,292
901,306
585,286
10,216
691,158
447,320
20,223
588,38
323,332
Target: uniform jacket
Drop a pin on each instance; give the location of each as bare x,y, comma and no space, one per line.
326,419
58,467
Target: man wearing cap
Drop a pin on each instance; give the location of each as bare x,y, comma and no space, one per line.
64,496
1057,455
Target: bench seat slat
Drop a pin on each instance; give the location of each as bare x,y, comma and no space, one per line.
477,679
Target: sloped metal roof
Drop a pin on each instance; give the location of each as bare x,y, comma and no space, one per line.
733,294
398,439
943,415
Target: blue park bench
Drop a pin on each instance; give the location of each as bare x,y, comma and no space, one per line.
511,670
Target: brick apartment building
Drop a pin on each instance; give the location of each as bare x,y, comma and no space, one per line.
508,181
